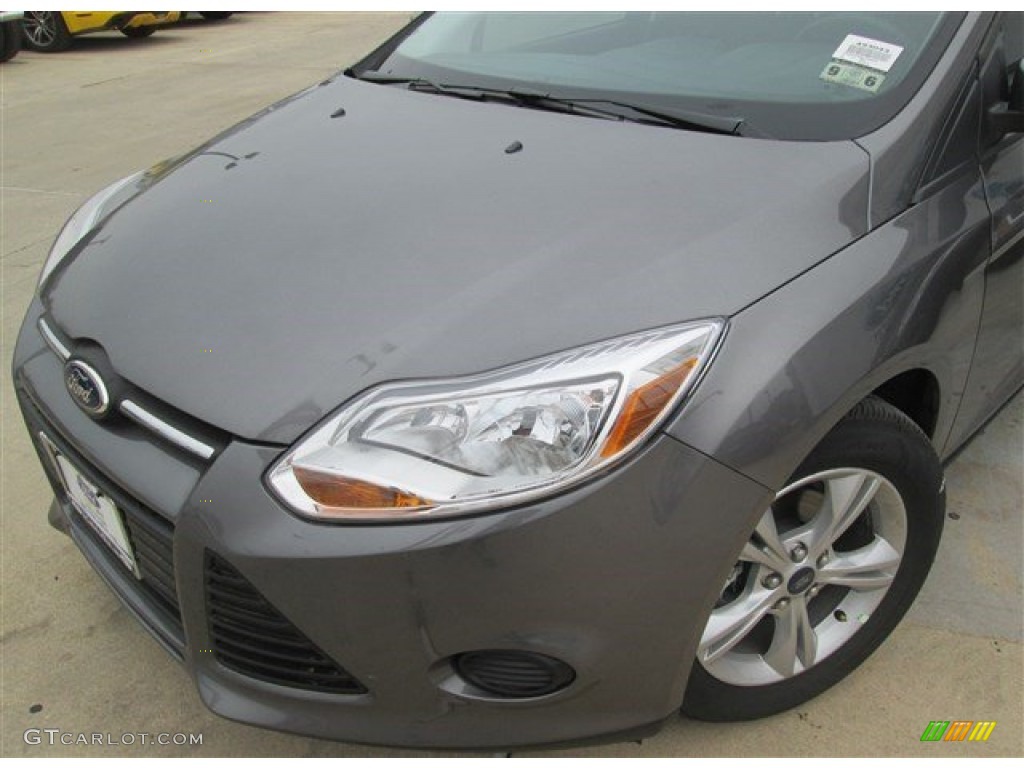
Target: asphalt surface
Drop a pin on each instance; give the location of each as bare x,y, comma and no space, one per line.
74,659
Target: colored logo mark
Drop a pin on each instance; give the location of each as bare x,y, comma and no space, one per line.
958,730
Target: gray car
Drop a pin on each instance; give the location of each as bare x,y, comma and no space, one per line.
543,374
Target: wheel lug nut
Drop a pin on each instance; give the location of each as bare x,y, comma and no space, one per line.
823,560
798,553
783,602
771,581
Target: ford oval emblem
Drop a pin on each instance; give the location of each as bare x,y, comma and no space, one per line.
86,388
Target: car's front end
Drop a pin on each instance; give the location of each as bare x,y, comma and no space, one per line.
531,626
513,586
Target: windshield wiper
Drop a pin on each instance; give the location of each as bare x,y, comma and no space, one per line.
691,121
525,98
417,83
606,108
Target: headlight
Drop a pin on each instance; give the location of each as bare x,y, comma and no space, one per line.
82,221
432,448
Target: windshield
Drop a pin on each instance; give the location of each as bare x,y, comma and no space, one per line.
787,75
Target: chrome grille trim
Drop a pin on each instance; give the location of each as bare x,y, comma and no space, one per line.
52,341
132,410
144,418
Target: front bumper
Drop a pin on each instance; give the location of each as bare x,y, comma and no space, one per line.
614,578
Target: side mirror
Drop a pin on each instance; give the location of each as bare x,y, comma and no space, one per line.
1008,116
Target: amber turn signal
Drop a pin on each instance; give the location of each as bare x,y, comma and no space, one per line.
339,492
644,406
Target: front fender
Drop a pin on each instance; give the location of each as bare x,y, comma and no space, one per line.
906,296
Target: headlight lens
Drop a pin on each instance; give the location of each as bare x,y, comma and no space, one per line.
433,448
84,220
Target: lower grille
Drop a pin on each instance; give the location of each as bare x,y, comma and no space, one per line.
253,638
152,541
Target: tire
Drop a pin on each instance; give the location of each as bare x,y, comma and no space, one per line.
45,31
138,31
10,40
790,623
215,15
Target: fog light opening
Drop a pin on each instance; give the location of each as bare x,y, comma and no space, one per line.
513,674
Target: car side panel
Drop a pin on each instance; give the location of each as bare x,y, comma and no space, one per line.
82,22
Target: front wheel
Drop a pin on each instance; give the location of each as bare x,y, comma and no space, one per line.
827,573
215,15
138,31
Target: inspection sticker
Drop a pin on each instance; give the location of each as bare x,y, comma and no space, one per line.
841,73
868,53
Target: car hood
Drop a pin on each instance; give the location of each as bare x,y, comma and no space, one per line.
306,255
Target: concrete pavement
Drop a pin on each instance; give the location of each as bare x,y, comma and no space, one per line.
74,659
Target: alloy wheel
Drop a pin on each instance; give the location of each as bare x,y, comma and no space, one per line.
40,27
817,565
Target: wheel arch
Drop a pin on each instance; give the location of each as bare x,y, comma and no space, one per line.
915,390
918,394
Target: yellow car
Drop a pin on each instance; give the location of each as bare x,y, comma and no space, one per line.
50,31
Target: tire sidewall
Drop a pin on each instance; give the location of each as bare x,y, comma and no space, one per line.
10,40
